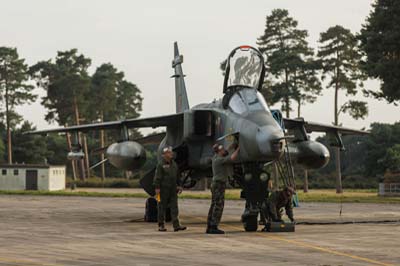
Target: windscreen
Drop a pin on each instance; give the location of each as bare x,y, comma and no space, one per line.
247,100
245,68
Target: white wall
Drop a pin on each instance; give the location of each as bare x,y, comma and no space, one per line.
43,179
57,178
11,181
49,179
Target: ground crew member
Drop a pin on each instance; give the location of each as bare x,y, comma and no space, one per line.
166,185
220,167
278,200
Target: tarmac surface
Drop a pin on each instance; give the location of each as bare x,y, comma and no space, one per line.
38,230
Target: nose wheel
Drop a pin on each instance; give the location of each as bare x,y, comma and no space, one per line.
250,223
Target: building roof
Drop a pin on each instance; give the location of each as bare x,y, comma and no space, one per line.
23,166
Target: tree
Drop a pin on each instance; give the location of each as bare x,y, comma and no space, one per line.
392,158
129,100
292,71
14,89
340,60
382,137
29,148
291,68
379,40
67,82
118,98
2,150
306,83
103,92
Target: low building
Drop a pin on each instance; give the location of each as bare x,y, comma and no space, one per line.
390,187
32,177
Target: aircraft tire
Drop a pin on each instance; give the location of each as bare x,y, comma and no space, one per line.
250,223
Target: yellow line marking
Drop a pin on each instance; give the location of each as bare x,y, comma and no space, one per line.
26,262
327,250
307,245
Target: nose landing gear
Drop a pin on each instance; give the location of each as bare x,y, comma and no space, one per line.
254,183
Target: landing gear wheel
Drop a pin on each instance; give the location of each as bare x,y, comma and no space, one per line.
250,223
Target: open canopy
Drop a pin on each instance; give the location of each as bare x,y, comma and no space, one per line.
244,68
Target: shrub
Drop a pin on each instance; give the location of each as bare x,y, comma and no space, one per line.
96,182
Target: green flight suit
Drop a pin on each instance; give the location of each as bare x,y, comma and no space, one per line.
275,202
218,185
166,179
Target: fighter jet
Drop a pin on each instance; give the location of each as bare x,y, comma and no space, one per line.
241,117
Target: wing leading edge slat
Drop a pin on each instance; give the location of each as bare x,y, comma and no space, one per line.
318,127
153,122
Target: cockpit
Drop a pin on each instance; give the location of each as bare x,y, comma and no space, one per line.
247,100
244,77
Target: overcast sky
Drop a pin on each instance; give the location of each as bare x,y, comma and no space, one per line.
137,37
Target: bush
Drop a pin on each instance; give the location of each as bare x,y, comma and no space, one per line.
96,182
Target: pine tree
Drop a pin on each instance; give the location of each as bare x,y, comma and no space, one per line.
291,68
103,92
129,100
14,90
67,82
119,99
380,38
340,59
30,148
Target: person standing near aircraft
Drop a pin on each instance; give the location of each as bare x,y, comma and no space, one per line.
166,184
220,168
278,200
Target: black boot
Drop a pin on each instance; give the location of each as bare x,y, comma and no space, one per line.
161,228
214,230
180,228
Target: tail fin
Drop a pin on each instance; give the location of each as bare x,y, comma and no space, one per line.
181,99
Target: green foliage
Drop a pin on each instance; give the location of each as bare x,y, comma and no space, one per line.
71,92
290,62
382,138
57,144
106,183
14,118
129,100
103,92
118,98
380,38
29,148
14,89
340,60
367,156
392,158
2,150
356,109
66,82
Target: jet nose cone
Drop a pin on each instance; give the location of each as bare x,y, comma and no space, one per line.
270,141
324,157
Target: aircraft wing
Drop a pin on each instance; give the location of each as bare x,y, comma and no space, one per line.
317,127
153,122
